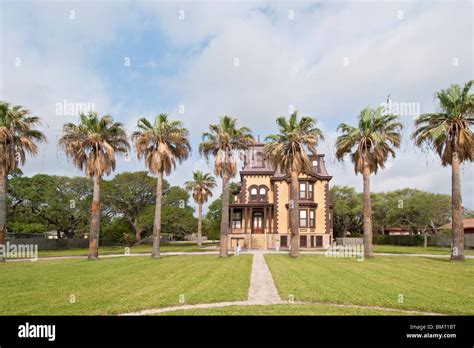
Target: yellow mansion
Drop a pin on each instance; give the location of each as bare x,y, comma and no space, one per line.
259,213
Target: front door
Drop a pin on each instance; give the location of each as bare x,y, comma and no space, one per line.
257,222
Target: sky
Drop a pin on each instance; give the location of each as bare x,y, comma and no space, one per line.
254,60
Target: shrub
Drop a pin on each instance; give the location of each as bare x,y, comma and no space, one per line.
410,240
118,230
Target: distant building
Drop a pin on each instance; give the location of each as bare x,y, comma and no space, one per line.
398,231
467,223
259,214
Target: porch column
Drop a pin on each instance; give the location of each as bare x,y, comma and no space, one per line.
250,239
265,227
231,219
274,221
264,218
270,220
245,218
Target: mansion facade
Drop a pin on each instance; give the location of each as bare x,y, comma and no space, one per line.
259,213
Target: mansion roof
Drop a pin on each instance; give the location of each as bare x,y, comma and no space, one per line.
256,163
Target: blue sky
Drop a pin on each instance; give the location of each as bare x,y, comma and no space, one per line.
326,59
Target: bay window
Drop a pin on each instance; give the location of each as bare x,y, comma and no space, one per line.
312,220
302,190
303,218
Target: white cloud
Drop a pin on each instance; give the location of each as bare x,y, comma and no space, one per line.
283,61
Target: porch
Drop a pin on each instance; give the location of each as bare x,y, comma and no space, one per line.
252,219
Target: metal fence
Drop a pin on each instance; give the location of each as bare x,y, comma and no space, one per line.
349,241
439,240
413,240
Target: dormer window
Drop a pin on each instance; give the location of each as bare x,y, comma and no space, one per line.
315,163
259,159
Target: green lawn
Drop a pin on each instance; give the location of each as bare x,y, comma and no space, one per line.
118,285
290,309
139,249
426,284
400,249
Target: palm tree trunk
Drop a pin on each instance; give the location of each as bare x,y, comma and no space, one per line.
294,218
199,241
3,212
457,252
224,216
367,213
95,221
157,221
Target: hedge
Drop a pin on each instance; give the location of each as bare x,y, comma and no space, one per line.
411,240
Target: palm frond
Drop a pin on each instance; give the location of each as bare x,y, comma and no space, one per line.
369,144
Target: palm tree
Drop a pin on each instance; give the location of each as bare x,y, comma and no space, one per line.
289,150
201,187
91,145
369,144
222,141
161,144
17,139
449,133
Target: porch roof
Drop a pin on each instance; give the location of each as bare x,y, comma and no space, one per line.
251,205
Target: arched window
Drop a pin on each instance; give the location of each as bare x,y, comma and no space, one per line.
262,194
253,194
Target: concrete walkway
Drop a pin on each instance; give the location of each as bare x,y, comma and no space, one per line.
108,256
247,303
262,287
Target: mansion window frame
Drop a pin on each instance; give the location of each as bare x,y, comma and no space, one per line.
237,219
258,193
307,192
309,218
